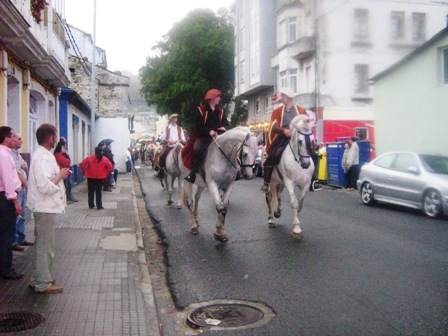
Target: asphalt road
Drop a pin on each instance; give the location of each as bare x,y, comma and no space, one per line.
358,271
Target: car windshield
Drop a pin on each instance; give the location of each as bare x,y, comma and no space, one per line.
435,163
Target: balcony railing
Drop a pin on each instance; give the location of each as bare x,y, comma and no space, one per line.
303,47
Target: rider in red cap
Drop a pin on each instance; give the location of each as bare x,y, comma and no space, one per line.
210,121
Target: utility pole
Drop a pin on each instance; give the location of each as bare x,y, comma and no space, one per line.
317,73
92,85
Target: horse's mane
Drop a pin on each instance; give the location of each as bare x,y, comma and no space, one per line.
304,119
239,130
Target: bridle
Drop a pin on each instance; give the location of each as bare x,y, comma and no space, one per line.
239,154
307,137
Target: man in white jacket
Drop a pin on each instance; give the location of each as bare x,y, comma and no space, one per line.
46,198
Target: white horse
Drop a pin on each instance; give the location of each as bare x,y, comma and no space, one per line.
172,172
296,168
226,155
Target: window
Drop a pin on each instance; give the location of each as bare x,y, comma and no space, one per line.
404,161
293,80
418,26
268,105
292,29
362,132
385,161
283,79
361,24
361,78
282,33
242,71
242,39
257,107
445,65
397,25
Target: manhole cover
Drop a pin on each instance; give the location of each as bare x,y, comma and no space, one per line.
224,314
19,321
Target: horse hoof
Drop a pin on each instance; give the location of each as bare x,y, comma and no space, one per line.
221,238
194,231
272,225
277,214
297,236
179,207
169,202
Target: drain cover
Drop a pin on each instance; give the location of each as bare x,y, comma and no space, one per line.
18,321
229,315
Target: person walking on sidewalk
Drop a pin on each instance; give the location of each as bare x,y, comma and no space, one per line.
46,198
107,152
22,170
64,161
96,168
10,207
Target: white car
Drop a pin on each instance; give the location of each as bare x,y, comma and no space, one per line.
409,179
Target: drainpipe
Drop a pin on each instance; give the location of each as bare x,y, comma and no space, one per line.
92,85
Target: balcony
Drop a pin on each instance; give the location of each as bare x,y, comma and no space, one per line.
303,47
40,47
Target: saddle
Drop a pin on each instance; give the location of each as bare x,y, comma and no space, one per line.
277,152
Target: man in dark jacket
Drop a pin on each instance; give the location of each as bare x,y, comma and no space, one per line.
107,152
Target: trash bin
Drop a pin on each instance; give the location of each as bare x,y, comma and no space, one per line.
322,174
335,151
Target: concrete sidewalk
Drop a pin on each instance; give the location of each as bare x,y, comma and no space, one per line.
101,264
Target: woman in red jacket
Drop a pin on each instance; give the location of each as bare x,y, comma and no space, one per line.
96,168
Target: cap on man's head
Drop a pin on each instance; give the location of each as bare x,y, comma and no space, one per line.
174,115
212,94
287,92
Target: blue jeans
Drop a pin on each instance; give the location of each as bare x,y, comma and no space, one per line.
128,166
19,236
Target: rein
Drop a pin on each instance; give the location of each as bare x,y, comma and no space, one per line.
237,151
308,145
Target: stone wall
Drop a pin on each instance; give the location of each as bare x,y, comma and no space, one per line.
112,89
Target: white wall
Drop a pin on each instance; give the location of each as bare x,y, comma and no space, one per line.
117,130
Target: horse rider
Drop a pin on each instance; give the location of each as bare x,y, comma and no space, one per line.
279,133
171,135
209,122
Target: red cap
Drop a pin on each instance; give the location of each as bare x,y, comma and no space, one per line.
212,94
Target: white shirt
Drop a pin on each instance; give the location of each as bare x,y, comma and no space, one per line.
174,137
43,194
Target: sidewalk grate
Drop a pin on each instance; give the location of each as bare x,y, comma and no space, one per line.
19,321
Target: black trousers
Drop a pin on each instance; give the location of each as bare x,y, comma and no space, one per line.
7,230
94,187
199,150
163,156
273,157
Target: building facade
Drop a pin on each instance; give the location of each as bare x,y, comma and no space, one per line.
326,51
33,66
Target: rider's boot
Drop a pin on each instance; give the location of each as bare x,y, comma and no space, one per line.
161,173
191,177
267,173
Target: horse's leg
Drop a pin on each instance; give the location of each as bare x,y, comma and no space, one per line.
197,197
271,221
169,181
189,203
278,211
179,191
297,206
221,203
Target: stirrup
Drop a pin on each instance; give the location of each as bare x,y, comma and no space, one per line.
191,177
265,188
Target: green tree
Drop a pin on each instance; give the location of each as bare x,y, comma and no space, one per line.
195,56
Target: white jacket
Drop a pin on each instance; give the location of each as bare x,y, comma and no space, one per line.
44,195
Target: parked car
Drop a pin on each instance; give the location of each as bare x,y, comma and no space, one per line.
409,179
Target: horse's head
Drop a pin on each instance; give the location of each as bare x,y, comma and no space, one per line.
302,134
248,154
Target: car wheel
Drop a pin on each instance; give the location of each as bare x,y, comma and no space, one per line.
367,194
432,204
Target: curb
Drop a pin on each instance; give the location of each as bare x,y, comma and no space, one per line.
146,284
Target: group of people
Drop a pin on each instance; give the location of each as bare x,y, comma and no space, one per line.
45,197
